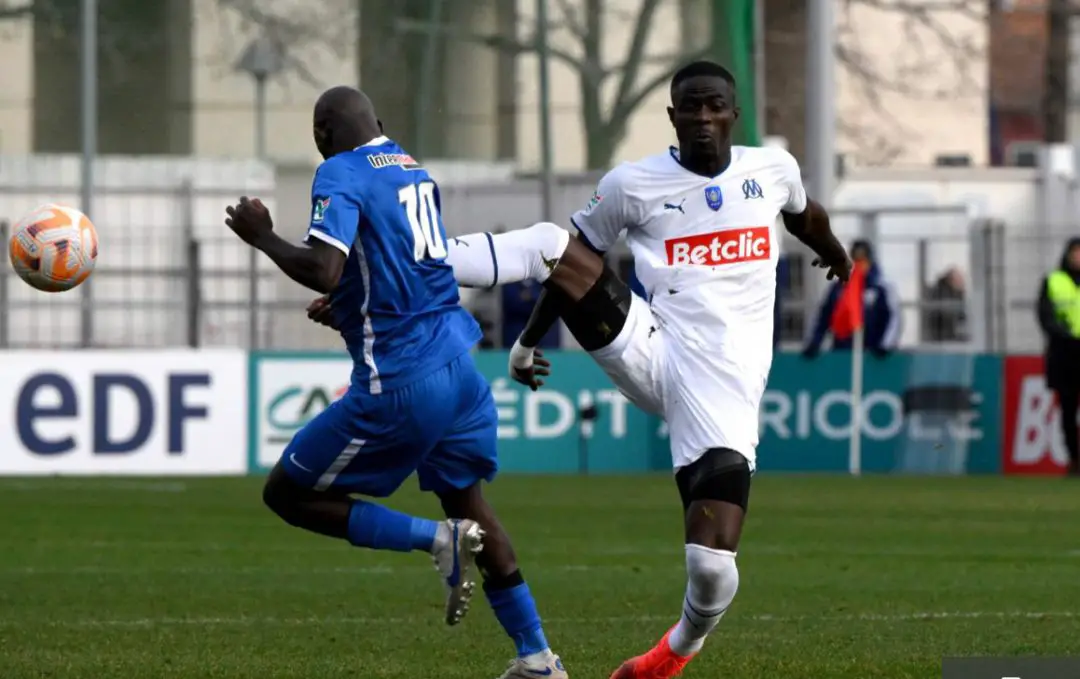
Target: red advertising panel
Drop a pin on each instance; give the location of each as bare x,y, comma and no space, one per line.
1032,441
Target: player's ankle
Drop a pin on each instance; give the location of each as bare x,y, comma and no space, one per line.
544,657
683,645
443,537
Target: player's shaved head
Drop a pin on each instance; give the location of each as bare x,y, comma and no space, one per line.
344,119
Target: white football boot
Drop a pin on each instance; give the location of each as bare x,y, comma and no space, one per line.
455,560
550,667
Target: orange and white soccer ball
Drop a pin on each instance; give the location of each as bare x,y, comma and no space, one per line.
54,248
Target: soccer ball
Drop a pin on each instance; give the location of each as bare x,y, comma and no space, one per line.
54,248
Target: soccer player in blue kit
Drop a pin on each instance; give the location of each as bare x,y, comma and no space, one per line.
416,402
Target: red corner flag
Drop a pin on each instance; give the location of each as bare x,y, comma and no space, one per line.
848,315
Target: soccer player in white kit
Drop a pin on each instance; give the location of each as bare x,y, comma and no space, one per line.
700,221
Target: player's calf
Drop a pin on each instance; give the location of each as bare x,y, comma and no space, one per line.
543,252
484,260
335,514
715,491
506,589
453,543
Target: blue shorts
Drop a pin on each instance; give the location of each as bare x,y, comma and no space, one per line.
442,426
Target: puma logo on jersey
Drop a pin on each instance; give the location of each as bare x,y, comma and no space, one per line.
720,247
673,206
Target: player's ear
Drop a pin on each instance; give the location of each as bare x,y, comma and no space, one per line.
380,125
735,113
671,115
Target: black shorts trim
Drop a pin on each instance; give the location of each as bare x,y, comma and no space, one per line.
720,474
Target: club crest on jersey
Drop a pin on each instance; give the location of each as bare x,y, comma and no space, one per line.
713,198
594,201
751,189
321,206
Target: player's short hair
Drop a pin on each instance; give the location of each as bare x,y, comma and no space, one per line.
696,68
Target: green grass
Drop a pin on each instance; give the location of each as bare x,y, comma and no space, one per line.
874,577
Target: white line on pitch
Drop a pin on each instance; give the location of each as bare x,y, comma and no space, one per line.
274,621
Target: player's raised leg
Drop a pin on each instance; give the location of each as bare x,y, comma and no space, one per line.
365,445
580,288
484,260
454,470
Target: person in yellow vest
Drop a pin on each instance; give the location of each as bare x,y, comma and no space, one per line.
1059,317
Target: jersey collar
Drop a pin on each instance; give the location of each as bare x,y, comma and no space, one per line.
377,141
673,151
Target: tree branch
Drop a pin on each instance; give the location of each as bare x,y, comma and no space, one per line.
632,101
500,42
929,43
632,63
572,19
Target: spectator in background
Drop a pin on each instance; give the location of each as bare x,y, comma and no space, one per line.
881,311
518,300
1059,318
946,318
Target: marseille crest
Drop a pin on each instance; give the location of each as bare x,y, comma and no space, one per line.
713,197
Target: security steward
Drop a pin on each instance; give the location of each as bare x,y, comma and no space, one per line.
1059,317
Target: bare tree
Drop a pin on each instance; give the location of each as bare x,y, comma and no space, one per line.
610,90
307,32
935,63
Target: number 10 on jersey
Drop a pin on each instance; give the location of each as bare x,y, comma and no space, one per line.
423,214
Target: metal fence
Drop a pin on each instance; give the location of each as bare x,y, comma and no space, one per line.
172,275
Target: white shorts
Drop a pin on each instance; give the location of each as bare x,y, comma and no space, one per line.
708,401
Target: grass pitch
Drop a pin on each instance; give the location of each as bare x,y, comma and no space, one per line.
874,577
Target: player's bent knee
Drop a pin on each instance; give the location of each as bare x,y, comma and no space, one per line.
281,496
598,317
713,575
720,474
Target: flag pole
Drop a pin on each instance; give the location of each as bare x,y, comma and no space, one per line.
855,449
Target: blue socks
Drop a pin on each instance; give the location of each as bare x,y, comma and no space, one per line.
376,527
515,610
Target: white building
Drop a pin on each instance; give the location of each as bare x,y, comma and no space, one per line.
172,87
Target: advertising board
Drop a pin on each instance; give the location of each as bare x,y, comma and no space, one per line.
1033,442
923,413
123,412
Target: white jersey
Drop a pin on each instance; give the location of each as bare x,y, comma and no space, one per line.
705,250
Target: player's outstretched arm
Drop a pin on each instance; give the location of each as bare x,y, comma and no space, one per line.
811,226
317,267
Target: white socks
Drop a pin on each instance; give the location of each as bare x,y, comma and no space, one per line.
482,260
713,581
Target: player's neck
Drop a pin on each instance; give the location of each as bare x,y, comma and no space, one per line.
706,165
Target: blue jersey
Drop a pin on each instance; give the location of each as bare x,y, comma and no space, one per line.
397,302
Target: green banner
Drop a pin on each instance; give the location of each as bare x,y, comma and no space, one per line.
922,413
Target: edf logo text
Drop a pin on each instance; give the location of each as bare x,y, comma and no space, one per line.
51,414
